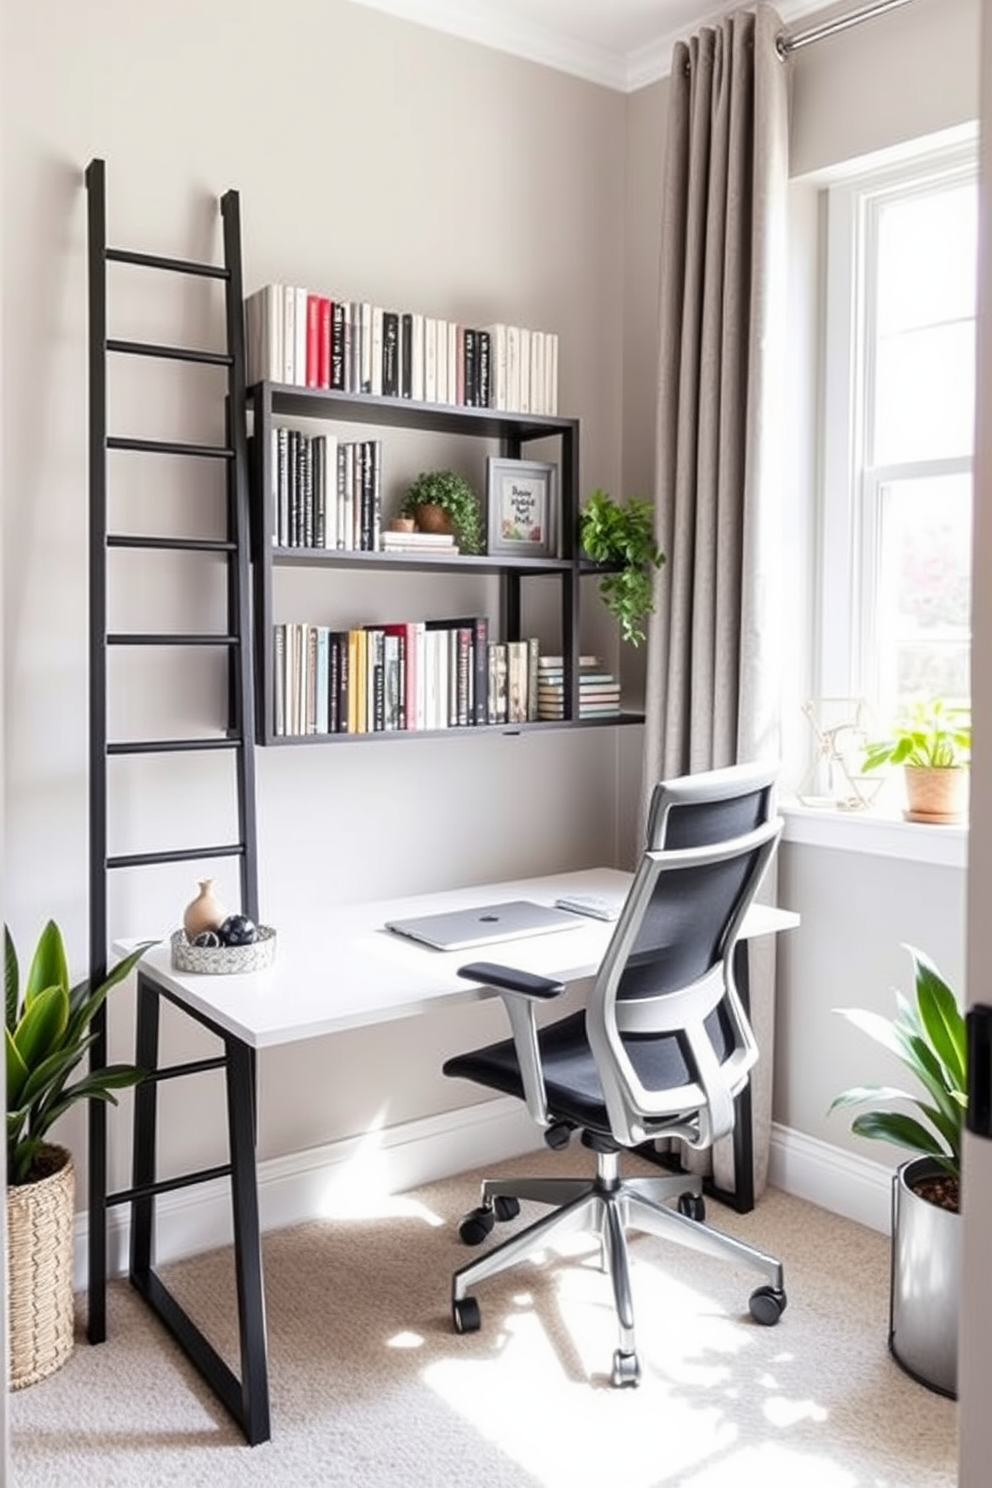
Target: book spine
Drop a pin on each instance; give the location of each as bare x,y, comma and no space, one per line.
337,345
279,679
406,355
390,354
324,343
312,374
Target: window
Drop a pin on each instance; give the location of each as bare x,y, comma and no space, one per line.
899,392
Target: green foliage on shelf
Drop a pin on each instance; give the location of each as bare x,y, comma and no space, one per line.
451,492
47,1033
623,533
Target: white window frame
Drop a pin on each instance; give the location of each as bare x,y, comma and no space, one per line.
850,505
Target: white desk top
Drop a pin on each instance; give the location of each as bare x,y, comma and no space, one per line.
358,973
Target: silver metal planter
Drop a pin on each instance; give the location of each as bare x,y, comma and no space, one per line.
926,1269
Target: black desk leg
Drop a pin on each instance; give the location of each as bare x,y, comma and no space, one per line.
741,1196
241,1099
145,1125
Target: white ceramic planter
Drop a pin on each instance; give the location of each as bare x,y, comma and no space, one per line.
926,1273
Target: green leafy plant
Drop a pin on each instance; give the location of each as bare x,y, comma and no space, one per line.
932,734
622,533
929,1037
47,1033
451,492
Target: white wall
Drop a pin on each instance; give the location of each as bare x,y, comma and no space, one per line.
375,159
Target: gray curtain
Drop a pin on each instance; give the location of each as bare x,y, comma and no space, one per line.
713,672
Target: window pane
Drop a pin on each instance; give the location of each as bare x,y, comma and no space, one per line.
924,601
926,259
925,394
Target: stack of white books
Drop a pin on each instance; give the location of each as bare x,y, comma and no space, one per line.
418,542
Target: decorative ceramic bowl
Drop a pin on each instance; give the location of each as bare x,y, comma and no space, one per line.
224,960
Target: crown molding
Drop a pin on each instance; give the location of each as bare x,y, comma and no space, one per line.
482,22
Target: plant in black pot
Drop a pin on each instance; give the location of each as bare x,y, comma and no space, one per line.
928,1036
442,501
621,533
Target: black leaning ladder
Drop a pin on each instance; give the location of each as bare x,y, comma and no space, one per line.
238,738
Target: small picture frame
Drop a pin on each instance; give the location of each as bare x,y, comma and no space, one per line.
522,508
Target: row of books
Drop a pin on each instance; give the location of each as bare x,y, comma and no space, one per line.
326,492
599,689
415,674
306,339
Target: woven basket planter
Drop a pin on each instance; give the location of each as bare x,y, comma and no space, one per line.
40,1219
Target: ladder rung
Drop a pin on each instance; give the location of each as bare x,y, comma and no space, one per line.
177,855
170,447
173,544
171,353
173,640
168,1185
176,265
180,1071
173,746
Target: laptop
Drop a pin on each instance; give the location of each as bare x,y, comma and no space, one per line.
481,924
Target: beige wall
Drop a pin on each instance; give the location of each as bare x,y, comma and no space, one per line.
374,159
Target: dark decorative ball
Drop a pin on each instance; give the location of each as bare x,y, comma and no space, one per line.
206,938
237,930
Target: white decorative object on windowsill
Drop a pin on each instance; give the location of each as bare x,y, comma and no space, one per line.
834,777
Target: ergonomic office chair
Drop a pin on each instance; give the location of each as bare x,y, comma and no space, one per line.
661,1051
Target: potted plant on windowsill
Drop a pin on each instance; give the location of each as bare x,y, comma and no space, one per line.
442,501
621,533
929,1038
932,742
47,1033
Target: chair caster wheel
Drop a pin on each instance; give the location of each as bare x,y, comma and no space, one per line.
505,1206
475,1226
626,1369
466,1315
693,1206
767,1305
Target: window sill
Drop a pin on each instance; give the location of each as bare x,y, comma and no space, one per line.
880,833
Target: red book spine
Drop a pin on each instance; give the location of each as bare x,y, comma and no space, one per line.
313,339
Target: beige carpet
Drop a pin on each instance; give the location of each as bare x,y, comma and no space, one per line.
371,1388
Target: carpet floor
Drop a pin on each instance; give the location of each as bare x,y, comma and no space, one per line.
370,1386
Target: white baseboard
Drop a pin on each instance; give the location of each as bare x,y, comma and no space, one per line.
836,1180
347,1176
353,1175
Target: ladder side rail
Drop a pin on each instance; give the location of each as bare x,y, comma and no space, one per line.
240,665
97,1113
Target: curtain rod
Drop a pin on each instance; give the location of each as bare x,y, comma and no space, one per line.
786,43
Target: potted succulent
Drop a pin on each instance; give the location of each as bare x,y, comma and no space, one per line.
622,535
929,1038
442,501
47,1033
932,742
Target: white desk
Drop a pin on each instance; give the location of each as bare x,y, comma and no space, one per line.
355,975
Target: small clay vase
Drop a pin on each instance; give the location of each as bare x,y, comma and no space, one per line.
432,518
205,912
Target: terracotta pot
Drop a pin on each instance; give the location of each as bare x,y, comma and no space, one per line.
935,795
433,518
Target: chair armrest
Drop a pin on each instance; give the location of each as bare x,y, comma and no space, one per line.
520,992
509,979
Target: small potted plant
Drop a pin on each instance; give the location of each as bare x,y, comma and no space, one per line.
47,1033
442,501
621,534
932,742
928,1036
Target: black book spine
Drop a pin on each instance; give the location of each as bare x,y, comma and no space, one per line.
406,354
319,493
367,477
483,347
471,370
390,354
293,465
480,648
337,345
344,681
306,465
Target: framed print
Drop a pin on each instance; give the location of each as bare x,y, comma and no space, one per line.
521,498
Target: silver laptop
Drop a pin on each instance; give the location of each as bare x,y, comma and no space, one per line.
460,929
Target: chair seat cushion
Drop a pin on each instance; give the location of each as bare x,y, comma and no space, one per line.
571,1082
